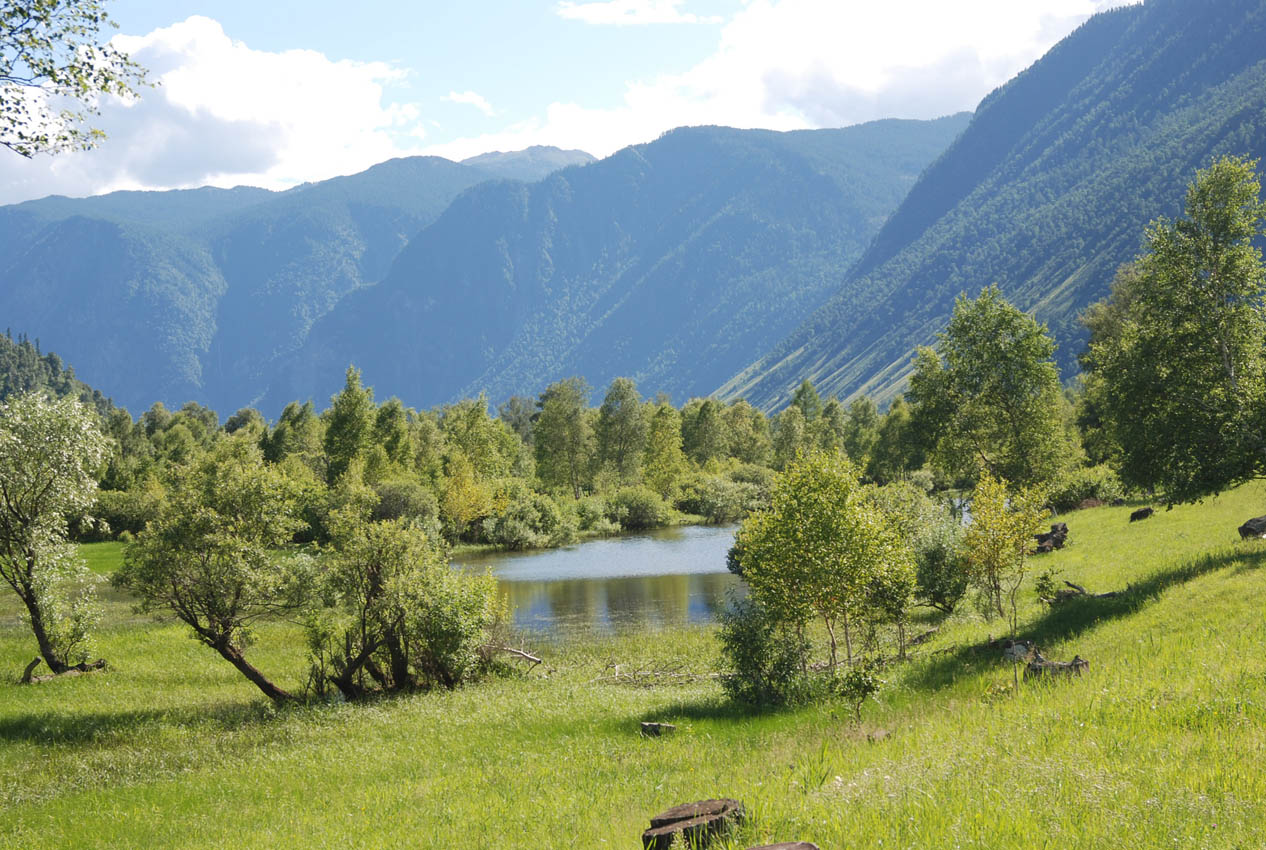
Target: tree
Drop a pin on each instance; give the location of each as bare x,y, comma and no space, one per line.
349,423
806,398
210,556
988,397
998,541
821,547
564,436
749,433
621,430
401,618
50,455
1176,359
861,430
50,50
665,461
703,435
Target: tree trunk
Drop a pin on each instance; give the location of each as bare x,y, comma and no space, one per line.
830,630
848,641
54,661
234,656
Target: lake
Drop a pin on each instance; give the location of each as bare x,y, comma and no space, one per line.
660,578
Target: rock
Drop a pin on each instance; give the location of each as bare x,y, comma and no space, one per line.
1141,513
696,823
1255,527
787,845
655,730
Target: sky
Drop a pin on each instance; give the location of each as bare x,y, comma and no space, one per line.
281,92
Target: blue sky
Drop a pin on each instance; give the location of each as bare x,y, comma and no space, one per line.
276,92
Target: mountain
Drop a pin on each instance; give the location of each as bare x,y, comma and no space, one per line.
195,294
670,262
530,164
1045,193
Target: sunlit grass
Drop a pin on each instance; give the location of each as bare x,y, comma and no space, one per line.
1161,744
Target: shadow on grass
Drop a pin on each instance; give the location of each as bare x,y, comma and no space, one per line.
107,726
1069,619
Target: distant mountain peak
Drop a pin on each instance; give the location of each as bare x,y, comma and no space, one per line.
530,164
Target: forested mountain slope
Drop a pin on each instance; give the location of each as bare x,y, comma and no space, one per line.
1046,193
194,294
671,262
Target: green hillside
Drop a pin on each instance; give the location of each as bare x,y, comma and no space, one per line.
1046,193
669,262
1159,745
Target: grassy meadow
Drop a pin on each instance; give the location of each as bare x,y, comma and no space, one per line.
1161,744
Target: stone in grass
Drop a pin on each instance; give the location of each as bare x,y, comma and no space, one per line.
787,845
655,730
695,823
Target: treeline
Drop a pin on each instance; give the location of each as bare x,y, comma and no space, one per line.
24,368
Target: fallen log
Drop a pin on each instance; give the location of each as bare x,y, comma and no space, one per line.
1039,667
512,651
77,670
1076,591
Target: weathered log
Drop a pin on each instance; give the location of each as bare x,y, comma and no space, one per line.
1076,591
1053,539
696,824
1141,513
77,670
1040,667
925,637
1255,527
512,651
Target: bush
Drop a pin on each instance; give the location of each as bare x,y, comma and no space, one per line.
719,500
1087,482
637,508
408,500
531,521
764,659
119,510
935,539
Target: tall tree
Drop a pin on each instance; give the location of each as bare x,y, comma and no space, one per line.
988,397
50,455
348,424
564,436
1178,370
665,460
52,51
861,430
703,431
806,398
748,430
210,557
621,430
998,541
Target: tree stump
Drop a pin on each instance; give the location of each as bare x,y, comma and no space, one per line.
1141,513
655,730
1255,527
695,823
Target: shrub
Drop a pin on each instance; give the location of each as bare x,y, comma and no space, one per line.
122,510
1087,482
719,500
765,659
531,521
935,538
637,508
408,500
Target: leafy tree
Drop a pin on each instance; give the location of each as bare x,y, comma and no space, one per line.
519,413
401,618
299,433
1178,369
861,430
828,428
820,547
703,435
391,433
791,437
935,539
988,397
247,420
463,497
50,454
486,442
210,556
998,540
665,462
748,430
896,449
621,430
564,436
52,50
348,425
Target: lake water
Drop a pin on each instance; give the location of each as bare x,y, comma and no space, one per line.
661,578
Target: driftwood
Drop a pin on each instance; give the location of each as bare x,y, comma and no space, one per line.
925,637
77,670
1039,667
1076,591
527,656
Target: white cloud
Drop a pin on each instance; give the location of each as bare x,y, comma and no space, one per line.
472,98
224,114
630,12
787,64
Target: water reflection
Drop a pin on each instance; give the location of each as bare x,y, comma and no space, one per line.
668,577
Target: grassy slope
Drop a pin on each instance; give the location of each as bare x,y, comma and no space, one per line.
1160,745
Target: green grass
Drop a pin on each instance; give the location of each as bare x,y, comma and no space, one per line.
1160,745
